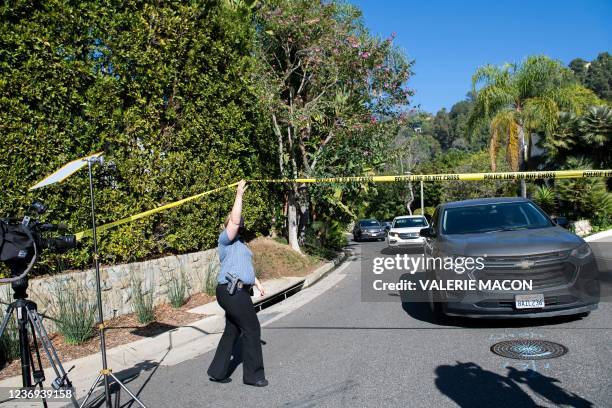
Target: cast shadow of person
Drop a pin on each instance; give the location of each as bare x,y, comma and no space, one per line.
469,385
547,388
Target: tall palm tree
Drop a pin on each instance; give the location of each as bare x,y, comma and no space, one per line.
519,99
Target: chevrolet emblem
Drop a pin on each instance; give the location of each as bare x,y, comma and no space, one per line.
525,264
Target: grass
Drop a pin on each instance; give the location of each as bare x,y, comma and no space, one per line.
281,240
274,260
142,301
177,289
75,312
208,280
9,342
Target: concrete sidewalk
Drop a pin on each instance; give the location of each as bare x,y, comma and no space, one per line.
169,348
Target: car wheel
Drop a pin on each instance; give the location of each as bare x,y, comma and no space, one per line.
436,308
435,304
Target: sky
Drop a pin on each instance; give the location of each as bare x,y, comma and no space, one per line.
449,39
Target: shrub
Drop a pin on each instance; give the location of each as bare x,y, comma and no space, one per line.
9,342
586,198
63,76
323,239
75,312
142,301
544,196
208,280
428,211
177,289
603,225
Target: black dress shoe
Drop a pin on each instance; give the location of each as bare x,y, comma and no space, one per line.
259,383
223,381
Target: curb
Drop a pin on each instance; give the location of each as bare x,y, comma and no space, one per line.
600,235
323,270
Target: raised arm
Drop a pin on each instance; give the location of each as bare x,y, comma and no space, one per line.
234,222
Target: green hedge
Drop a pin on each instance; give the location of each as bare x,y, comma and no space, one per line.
166,85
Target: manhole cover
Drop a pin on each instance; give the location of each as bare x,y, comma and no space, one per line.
529,349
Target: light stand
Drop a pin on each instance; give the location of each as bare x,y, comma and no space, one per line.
106,372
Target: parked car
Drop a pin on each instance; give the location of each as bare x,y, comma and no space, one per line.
368,229
517,240
405,230
387,224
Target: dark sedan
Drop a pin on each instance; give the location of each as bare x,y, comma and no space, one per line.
515,240
368,229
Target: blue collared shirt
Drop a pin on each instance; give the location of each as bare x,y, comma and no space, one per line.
236,258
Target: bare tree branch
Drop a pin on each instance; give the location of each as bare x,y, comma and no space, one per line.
304,76
279,135
329,137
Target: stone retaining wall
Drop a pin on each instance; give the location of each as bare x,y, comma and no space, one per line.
116,286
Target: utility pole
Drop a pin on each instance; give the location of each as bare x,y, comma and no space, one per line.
422,200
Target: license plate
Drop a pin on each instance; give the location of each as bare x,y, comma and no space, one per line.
529,301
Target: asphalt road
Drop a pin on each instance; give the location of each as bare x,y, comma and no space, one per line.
337,351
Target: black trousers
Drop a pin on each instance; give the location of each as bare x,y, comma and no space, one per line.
241,323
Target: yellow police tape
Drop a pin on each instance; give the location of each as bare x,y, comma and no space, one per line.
526,175
135,217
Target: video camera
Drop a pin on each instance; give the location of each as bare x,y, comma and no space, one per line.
21,241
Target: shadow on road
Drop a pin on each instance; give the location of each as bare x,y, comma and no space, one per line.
422,311
323,395
469,385
547,388
125,376
411,250
416,304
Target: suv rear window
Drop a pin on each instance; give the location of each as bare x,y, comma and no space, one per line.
493,217
410,222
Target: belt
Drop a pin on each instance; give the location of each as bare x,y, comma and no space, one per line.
239,286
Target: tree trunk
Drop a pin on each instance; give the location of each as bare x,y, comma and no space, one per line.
523,188
521,160
292,222
303,201
411,199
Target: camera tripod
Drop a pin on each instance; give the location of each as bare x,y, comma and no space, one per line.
32,373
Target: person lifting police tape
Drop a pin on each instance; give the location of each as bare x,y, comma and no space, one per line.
235,279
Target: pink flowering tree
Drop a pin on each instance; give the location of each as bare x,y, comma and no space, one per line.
333,92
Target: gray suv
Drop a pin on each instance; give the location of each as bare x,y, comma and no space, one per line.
369,229
515,240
